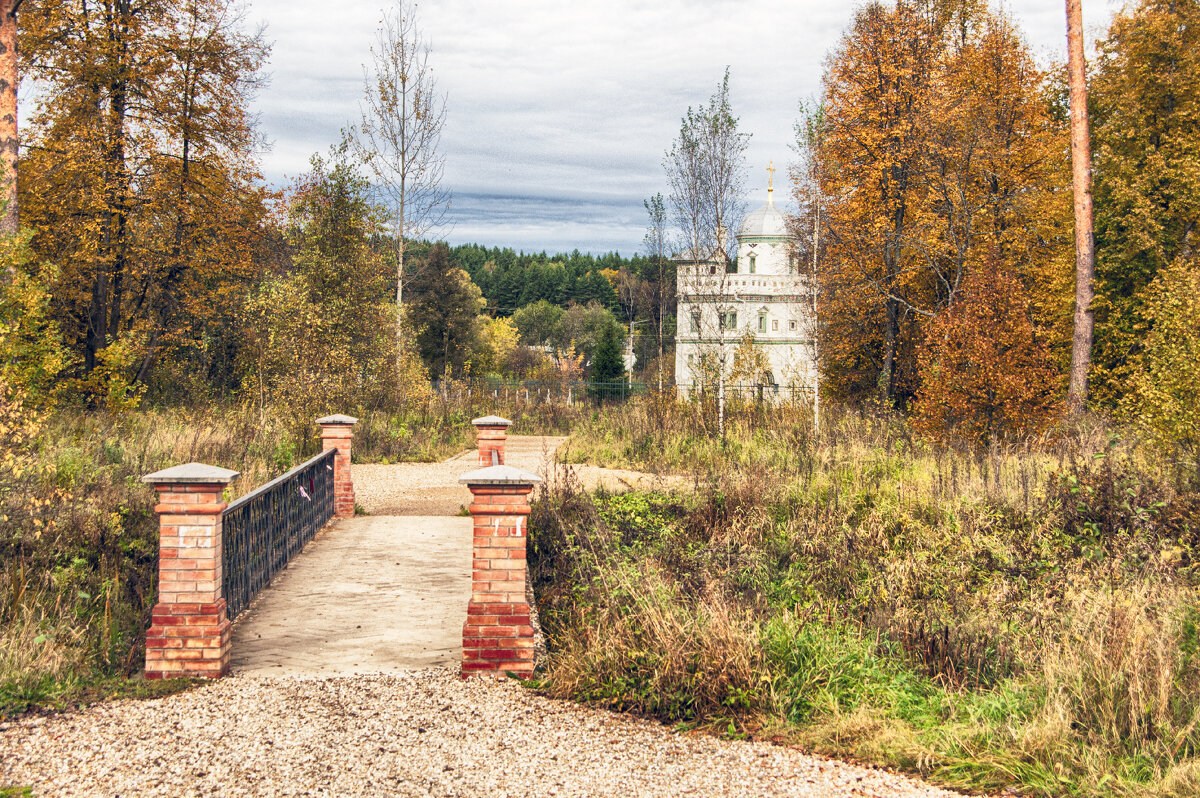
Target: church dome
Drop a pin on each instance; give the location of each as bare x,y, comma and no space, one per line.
766,222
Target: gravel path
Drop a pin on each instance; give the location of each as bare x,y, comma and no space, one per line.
423,733
433,488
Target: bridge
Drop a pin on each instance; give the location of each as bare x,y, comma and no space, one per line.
288,580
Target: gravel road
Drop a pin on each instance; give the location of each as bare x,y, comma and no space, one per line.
423,733
433,488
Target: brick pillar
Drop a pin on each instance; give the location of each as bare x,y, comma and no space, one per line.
337,433
497,635
490,434
189,629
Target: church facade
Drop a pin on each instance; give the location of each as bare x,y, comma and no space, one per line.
765,297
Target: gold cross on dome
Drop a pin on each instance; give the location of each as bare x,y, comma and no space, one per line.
771,176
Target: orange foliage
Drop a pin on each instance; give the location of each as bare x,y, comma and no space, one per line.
933,148
985,372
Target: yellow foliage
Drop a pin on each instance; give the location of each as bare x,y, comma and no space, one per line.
1164,400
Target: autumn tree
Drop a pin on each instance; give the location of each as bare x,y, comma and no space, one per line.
1146,99
985,372
878,97
140,174
932,149
402,120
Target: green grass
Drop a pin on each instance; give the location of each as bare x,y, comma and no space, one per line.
48,693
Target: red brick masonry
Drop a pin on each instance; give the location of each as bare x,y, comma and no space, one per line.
337,433
189,631
497,635
490,434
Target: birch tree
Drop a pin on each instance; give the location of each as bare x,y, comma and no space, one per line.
402,118
706,169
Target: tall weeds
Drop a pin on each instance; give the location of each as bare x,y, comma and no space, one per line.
1024,614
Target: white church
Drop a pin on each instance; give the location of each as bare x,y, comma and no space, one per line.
767,294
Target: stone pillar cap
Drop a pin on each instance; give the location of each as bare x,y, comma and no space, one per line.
337,421
492,421
499,475
192,473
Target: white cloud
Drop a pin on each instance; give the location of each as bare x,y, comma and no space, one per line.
550,99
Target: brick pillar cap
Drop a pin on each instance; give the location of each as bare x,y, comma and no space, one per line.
337,421
492,421
499,475
192,473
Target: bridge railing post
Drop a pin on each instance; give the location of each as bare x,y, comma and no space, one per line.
490,434
189,630
498,633
337,433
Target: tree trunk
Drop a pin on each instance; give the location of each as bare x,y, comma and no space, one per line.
9,80
1085,242
887,377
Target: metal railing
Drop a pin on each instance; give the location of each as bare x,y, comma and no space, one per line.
264,529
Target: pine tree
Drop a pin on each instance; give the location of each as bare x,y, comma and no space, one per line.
608,365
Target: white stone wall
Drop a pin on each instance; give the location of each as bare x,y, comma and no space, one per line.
772,293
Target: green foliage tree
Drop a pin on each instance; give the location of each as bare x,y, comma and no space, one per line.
314,341
607,366
540,323
444,313
583,326
1145,94
1163,398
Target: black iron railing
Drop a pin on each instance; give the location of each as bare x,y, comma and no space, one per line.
264,529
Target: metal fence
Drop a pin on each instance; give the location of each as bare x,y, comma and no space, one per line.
539,392
264,529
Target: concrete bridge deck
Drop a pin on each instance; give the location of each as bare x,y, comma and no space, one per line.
387,592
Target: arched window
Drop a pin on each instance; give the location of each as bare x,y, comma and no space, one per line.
752,266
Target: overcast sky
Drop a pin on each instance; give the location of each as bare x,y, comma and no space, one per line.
559,112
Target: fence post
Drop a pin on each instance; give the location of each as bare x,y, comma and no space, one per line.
337,433
189,628
498,634
490,434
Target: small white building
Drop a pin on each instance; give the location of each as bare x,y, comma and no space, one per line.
765,294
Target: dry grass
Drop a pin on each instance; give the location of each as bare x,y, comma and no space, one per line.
1025,614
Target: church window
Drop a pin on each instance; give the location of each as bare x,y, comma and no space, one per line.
791,264
729,320
793,325
774,325
695,321
762,322
752,267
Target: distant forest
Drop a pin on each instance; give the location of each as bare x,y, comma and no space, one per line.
510,280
